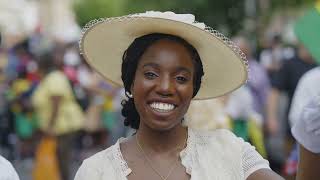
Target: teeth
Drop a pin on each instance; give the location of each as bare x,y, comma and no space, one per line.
163,107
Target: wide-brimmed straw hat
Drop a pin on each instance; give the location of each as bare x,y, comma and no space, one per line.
105,40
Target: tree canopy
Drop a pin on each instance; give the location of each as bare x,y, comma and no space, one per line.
225,15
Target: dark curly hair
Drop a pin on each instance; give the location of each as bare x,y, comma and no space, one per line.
130,62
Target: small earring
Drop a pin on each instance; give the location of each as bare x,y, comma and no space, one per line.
128,94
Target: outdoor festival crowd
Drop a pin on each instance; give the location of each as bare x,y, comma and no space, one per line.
89,107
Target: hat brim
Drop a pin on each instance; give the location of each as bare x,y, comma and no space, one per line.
103,44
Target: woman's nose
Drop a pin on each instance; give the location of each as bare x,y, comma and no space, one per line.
165,87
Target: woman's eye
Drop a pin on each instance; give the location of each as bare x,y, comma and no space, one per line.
181,79
150,75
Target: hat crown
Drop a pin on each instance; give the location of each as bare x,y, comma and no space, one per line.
185,18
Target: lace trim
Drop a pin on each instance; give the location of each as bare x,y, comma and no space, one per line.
136,16
188,155
251,160
185,154
122,166
95,22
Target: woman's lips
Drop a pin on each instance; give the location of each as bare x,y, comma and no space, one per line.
162,107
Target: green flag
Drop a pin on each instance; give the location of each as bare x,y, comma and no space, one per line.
307,30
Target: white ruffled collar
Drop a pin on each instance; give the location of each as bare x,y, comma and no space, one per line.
185,156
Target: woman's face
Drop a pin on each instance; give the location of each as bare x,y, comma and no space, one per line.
163,85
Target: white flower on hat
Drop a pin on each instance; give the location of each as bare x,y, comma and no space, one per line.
185,18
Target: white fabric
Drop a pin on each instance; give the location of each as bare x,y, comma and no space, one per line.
206,115
240,103
240,106
209,155
307,88
7,172
186,18
305,111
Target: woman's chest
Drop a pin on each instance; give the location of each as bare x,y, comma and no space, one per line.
147,172
203,166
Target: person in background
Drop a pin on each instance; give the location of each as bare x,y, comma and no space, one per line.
305,124
305,110
6,124
286,80
306,90
272,58
306,31
258,86
58,112
246,122
258,83
23,115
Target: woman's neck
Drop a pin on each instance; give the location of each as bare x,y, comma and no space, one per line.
162,141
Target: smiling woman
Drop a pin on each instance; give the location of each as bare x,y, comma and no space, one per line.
169,63
168,60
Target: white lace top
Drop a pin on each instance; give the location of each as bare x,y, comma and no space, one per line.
213,155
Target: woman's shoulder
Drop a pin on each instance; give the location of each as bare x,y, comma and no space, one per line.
101,156
97,165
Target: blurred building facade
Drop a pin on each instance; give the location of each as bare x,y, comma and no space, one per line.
53,18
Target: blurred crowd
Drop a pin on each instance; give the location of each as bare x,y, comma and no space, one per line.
48,90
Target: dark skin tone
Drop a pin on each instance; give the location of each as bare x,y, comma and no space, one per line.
308,168
164,74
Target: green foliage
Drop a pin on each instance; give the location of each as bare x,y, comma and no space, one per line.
289,3
225,15
87,10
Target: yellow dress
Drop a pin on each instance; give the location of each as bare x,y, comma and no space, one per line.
70,115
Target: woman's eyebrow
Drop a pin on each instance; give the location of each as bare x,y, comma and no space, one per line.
183,69
153,65
178,69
